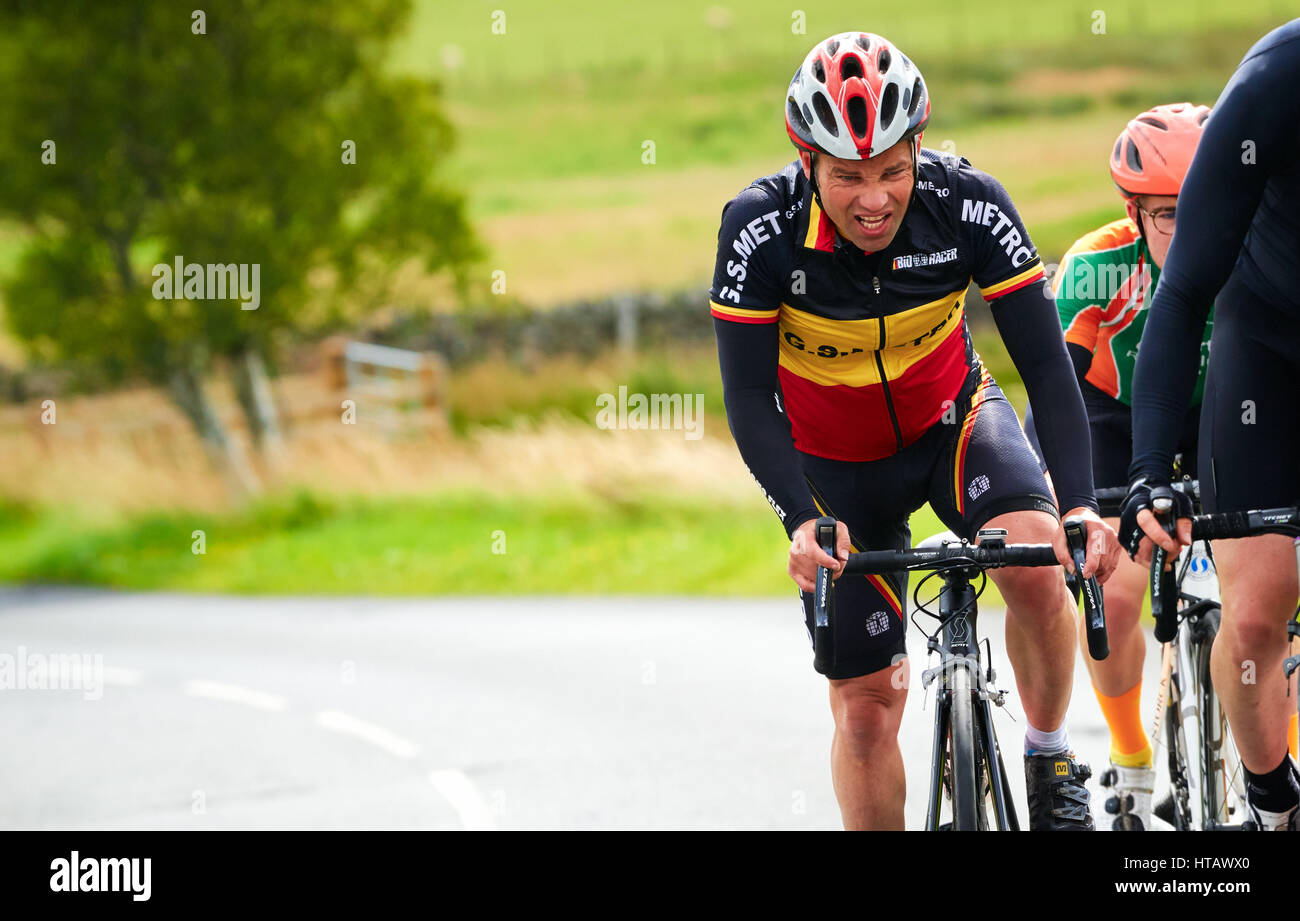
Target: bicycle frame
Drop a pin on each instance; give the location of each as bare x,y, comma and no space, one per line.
958,648
1187,695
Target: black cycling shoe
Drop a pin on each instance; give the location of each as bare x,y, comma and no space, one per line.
1058,800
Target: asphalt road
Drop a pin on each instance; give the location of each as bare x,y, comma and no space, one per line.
222,712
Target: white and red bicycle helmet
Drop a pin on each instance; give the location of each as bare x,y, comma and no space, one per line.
855,96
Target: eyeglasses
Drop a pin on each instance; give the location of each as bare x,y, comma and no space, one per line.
1162,220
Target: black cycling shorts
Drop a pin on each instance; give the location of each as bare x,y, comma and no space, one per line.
1250,416
1110,427
971,467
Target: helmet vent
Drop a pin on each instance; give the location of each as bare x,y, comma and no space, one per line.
857,109
825,115
1114,154
864,43
850,66
819,70
888,104
1200,119
1153,122
882,62
832,46
916,98
1133,157
800,123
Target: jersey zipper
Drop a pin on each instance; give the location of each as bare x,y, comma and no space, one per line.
884,383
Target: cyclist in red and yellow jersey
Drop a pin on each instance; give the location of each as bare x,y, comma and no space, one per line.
853,389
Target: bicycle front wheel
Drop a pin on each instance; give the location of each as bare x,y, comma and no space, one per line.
966,754
1223,791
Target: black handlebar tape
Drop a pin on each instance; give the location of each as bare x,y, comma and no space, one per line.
1223,526
1094,606
1228,525
879,562
824,598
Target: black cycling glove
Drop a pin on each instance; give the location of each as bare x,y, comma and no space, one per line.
1142,494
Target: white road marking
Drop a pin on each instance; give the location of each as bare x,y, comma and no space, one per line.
215,690
463,796
122,677
378,736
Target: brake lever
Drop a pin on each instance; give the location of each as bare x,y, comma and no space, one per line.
1094,607
1164,583
824,599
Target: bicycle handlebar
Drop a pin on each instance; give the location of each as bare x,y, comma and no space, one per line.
1218,526
1229,525
879,562
1111,498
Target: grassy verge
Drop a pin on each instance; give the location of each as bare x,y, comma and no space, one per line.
1036,97
451,544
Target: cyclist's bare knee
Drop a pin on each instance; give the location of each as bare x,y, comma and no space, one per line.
869,709
1257,577
1034,588
1032,591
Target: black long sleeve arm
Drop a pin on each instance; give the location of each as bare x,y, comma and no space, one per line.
747,353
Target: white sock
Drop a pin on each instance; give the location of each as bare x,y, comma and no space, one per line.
1038,742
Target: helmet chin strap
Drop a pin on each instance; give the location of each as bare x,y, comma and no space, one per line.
812,179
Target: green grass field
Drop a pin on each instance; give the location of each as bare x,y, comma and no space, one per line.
553,114
450,544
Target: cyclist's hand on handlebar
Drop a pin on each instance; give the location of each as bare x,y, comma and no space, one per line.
806,556
1103,545
1139,526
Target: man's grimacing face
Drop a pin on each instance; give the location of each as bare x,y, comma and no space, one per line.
865,199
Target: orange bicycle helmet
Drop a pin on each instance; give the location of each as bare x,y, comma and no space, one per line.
1153,152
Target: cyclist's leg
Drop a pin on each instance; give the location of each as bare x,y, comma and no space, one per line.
1250,458
869,679
1117,679
992,479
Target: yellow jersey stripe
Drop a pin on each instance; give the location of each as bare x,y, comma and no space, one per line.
744,312
1026,275
843,352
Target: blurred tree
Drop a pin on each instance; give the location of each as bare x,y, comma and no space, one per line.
245,133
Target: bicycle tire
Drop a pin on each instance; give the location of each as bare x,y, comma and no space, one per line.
986,815
1176,742
1223,790
965,755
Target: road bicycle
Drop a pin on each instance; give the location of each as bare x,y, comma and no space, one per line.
1206,777
967,773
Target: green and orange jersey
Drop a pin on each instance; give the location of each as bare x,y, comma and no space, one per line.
1103,288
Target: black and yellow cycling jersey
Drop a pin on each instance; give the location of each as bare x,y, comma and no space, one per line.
874,347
